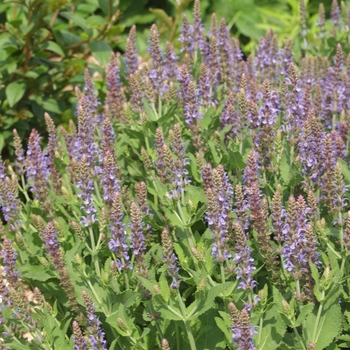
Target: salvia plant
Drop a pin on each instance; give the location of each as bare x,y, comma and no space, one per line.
202,205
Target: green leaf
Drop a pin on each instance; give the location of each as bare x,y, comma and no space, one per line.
161,14
36,272
54,334
179,252
2,141
168,114
236,160
209,336
272,330
54,47
60,164
76,19
194,169
119,311
15,91
146,283
25,29
18,344
345,170
170,310
305,311
164,286
199,214
52,105
224,325
207,118
160,189
207,303
151,114
108,6
96,21
284,169
101,51
214,152
330,321
195,194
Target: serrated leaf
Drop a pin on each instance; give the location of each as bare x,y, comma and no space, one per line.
60,164
36,272
199,214
168,114
330,321
53,332
179,252
14,92
164,286
305,311
209,336
236,160
147,284
169,311
345,170
194,169
195,194
214,152
120,312
224,326
272,331
284,169
151,114
174,219
209,302
207,118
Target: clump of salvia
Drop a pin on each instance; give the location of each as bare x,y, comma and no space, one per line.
203,181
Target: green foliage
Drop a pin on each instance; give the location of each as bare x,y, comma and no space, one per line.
178,229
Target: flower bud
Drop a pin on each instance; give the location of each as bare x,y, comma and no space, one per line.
121,323
285,307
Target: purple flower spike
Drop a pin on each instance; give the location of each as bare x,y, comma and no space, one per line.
198,30
9,201
84,143
95,334
20,158
219,205
86,186
158,73
115,98
9,261
37,168
137,237
170,259
91,97
110,173
335,13
186,36
293,233
242,330
131,58
243,260
117,244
